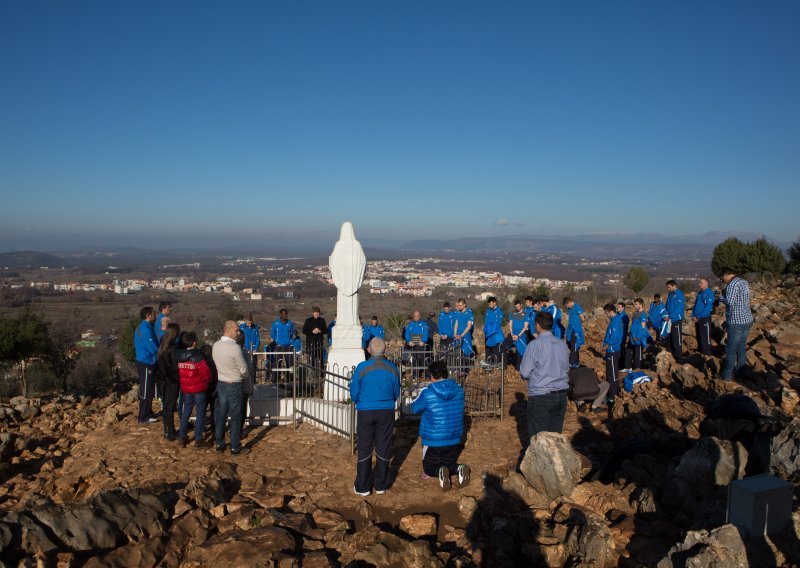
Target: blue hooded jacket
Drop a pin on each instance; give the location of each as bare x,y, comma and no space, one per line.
640,335
676,303
613,338
146,343
375,384
252,341
703,304
493,326
441,404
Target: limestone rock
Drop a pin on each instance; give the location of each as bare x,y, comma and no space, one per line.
550,465
785,455
713,462
216,486
420,525
721,548
255,547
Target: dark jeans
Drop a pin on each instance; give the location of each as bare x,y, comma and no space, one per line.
676,340
229,403
374,431
612,372
417,354
170,391
702,330
198,402
735,348
147,389
434,457
546,412
445,344
574,353
633,356
493,353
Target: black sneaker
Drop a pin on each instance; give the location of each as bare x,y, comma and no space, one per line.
463,472
220,449
444,479
240,451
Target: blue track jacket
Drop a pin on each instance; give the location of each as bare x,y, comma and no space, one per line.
493,326
558,325
252,341
676,303
446,323
375,384
640,335
518,321
441,404
371,331
613,338
416,331
574,325
462,319
703,304
146,343
282,333
657,313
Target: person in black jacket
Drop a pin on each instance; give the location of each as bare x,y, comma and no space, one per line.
315,330
167,377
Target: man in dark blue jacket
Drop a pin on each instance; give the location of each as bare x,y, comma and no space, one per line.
493,330
701,315
441,427
374,389
145,343
676,303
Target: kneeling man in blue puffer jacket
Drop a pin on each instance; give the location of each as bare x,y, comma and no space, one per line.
441,427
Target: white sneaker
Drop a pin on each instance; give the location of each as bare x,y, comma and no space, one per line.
380,491
362,493
463,475
151,420
444,479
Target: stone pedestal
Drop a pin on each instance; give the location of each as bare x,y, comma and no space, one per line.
344,355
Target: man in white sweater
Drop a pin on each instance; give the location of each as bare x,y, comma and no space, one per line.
231,370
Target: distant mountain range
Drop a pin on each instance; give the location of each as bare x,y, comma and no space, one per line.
592,245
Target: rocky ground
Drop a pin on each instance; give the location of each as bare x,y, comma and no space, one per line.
641,485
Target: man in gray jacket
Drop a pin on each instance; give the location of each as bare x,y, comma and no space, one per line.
231,370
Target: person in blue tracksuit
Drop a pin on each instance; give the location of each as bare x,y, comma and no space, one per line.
639,336
550,307
416,337
282,333
374,329
163,319
676,304
701,316
530,314
463,327
656,315
574,331
518,331
251,331
441,427
446,324
374,390
626,320
145,344
493,329
612,345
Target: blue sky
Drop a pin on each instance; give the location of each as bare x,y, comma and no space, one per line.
211,122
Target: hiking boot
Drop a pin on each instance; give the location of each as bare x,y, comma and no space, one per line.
444,479
183,442
463,472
